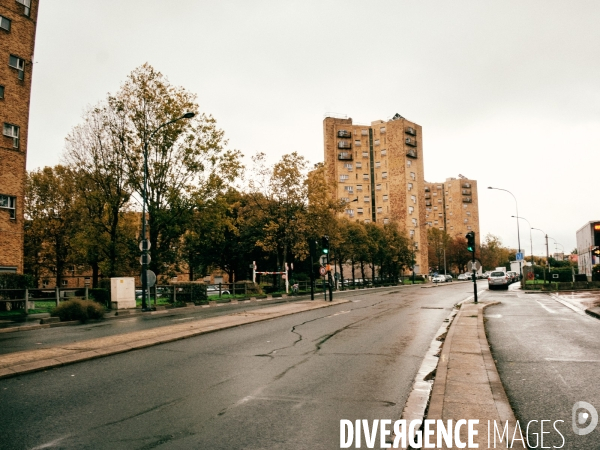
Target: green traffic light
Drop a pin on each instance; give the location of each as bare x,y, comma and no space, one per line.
325,250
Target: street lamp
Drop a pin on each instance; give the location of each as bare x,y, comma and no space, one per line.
518,232
530,240
145,245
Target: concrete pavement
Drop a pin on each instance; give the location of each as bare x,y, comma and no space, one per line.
17,363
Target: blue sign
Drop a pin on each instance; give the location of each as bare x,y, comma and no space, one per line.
519,256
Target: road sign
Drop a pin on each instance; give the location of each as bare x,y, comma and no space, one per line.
519,256
322,271
473,265
144,245
150,278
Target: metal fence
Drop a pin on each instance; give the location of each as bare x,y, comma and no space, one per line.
25,299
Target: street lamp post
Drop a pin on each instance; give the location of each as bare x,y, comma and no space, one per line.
518,231
530,239
547,253
145,244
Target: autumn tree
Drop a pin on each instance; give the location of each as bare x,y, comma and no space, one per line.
187,159
52,218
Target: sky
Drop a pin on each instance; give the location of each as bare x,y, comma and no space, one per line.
507,92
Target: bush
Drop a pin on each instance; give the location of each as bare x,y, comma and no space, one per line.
76,309
191,292
100,295
15,281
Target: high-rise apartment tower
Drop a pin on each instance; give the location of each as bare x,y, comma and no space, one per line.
378,170
18,20
453,206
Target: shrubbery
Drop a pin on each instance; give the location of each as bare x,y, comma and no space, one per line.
76,309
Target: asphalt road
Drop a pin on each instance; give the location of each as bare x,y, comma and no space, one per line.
280,384
548,358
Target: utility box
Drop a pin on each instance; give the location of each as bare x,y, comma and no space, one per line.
122,293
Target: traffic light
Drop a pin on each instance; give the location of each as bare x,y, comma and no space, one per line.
325,244
470,241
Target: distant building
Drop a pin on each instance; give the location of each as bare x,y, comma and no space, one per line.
588,239
453,206
377,169
18,21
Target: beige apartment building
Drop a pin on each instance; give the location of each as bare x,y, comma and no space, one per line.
453,206
378,170
18,20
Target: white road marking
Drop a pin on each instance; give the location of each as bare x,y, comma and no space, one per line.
546,308
572,360
185,318
568,305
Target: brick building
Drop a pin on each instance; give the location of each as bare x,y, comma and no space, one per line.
453,206
18,19
378,170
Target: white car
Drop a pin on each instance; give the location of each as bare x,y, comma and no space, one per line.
498,279
439,279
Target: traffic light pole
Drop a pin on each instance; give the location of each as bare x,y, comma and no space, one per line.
471,247
329,280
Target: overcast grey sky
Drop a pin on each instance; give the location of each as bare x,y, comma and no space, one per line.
507,92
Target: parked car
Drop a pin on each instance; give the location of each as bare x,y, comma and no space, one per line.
439,279
462,277
514,276
498,279
448,278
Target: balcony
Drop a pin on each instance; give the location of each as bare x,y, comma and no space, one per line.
411,152
427,203
345,156
466,192
411,131
344,144
411,142
344,134
467,200
466,185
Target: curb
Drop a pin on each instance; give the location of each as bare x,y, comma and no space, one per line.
145,339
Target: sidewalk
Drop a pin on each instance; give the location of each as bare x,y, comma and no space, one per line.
467,385
13,364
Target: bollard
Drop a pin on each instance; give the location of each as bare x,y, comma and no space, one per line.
26,301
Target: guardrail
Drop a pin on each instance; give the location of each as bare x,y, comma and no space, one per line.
25,299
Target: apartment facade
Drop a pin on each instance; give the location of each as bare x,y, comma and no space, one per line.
453,206
18,19
377,169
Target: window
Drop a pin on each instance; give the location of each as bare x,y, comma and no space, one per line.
411,209
367,198
350,212
359,210
364,132
409,186
357,143
365,176
468,213
345,199
377,164
367,221
4,23
379,210
413,176
8,202
378,187
414,222
348,166
469,227
412,233
435,193
365,154
17,63
384,175
439,200
343,178
376,142
26,6
12,131
64,282
408,162
1,91
385,198
435,208
383,152
413,198
349,189
359,187
386,220
440,214
466,220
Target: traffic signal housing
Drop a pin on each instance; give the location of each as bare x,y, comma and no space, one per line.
470,241
325,244
596,251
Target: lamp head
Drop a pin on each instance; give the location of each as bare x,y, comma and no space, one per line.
189,115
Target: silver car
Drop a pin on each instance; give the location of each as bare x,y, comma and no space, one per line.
498,279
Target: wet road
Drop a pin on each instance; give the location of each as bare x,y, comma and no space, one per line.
548,357
283,383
